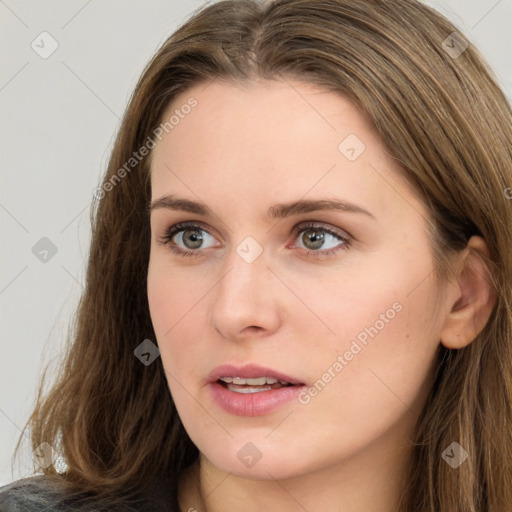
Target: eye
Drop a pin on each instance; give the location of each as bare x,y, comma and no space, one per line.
313,237
187,239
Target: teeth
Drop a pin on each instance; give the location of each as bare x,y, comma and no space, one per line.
236,389
259,381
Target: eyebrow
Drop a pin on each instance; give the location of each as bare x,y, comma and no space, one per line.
278,211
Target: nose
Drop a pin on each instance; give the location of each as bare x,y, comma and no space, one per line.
245,302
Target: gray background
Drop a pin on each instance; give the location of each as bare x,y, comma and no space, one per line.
59,116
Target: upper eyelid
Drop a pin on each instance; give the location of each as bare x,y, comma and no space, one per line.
178,227
334,230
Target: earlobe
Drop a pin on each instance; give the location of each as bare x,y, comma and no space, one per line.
476,297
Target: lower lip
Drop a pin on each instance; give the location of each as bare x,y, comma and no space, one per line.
253,404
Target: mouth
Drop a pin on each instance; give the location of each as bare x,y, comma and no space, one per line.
252,390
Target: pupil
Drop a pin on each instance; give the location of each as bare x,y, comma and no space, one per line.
315,238
194,240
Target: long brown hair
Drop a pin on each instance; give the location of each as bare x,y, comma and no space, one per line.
447,123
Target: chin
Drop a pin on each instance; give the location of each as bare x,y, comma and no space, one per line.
262,460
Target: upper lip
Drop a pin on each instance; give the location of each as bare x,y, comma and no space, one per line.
249,371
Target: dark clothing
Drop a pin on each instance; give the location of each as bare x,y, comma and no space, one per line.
35,494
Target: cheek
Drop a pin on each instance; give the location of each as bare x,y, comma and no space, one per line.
171,294
377,296
160,294
386,339
174,303
385,335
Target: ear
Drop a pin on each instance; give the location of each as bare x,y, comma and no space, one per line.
474,300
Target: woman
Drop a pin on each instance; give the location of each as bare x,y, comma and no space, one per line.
298,286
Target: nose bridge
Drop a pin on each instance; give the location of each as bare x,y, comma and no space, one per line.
247,271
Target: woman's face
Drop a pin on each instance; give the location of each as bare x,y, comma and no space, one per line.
341,300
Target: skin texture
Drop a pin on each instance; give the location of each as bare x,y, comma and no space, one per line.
240,151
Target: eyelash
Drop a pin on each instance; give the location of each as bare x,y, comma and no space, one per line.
184,226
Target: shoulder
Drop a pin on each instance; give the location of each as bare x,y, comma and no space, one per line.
39,493
28,494
33,494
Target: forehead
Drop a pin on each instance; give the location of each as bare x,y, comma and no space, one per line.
270,138
265,115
